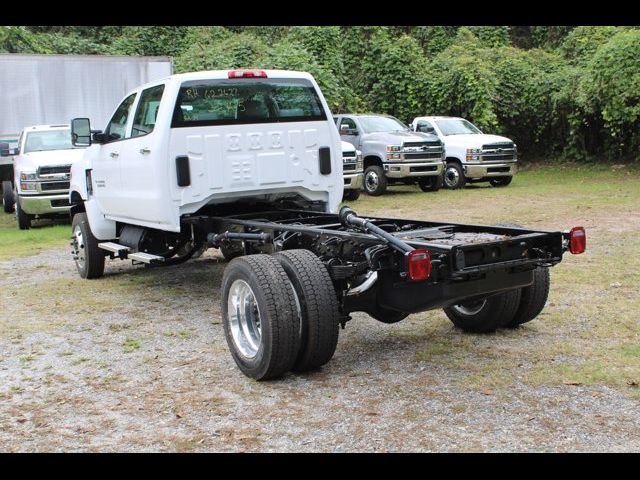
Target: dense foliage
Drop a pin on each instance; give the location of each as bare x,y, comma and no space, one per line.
566,92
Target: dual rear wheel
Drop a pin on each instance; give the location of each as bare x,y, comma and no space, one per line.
280,313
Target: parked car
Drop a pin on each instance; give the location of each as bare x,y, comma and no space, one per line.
352,171
249,161
392,153
471,156
42,169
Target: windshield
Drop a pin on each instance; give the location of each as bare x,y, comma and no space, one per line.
48,140
456,126
382,124
225,102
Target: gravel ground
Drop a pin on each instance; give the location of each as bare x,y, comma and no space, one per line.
137,361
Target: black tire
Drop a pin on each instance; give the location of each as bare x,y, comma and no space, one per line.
8,199
23,219
319,314
274,302
431,184
485,315
454,176
500,181
351,195
88,257
375,181
231,250
533,298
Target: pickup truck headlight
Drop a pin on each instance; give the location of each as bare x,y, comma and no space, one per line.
28,176
474,151
393,156
394,148
28,186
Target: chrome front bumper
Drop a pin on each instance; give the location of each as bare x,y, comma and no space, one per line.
353,181
42,204
484,169
419,169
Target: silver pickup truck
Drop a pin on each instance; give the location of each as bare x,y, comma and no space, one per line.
392,153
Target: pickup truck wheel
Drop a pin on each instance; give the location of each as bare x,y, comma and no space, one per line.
318,308
485,315
23,219
375,182
260,317
500,181
351,195
533,298
231,250
8,200
431,184
88,257
454,176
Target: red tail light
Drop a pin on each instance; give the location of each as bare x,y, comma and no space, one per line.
577,240
247,74
419,264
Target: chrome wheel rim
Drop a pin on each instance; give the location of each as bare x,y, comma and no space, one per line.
79,254
244,319
451,177
372,181
470,308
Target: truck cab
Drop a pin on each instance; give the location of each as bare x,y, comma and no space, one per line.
471,156
392,153
42,166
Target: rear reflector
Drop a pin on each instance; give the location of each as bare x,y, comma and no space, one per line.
247,74
577,240
419,264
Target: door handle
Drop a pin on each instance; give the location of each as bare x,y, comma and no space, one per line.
114,154
145,150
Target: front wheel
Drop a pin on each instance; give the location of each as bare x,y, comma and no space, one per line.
351,195
375,181
486,314
500,181
88,257
23,218
260,316
8,200
454,176
430,184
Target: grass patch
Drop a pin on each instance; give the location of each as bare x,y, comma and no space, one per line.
21,243
130,345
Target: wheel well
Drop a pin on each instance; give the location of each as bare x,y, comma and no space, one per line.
371,160
454,159
77,204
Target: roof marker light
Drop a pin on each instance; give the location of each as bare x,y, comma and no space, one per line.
247,74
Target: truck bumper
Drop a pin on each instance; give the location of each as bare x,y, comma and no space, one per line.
420,169
353,181
45,204
482,170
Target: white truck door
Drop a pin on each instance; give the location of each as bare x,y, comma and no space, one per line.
106,166
141,162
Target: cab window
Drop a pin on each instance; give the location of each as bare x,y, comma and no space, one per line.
348,122
147,111
118,123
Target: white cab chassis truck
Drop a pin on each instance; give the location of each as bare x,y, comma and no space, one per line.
249,161
471,156
41,168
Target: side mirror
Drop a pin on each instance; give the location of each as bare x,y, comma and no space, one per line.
344,129
5,151
80,132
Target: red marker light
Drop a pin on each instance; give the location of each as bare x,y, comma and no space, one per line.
419,264
577,240
247,74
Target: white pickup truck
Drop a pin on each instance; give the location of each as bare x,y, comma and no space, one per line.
353,171
250,162
471,156
41,166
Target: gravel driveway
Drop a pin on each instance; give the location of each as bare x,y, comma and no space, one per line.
137,361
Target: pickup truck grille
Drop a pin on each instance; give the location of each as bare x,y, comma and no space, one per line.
349,155
57,169
48,186
423,156
348,167
499,151
422,144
